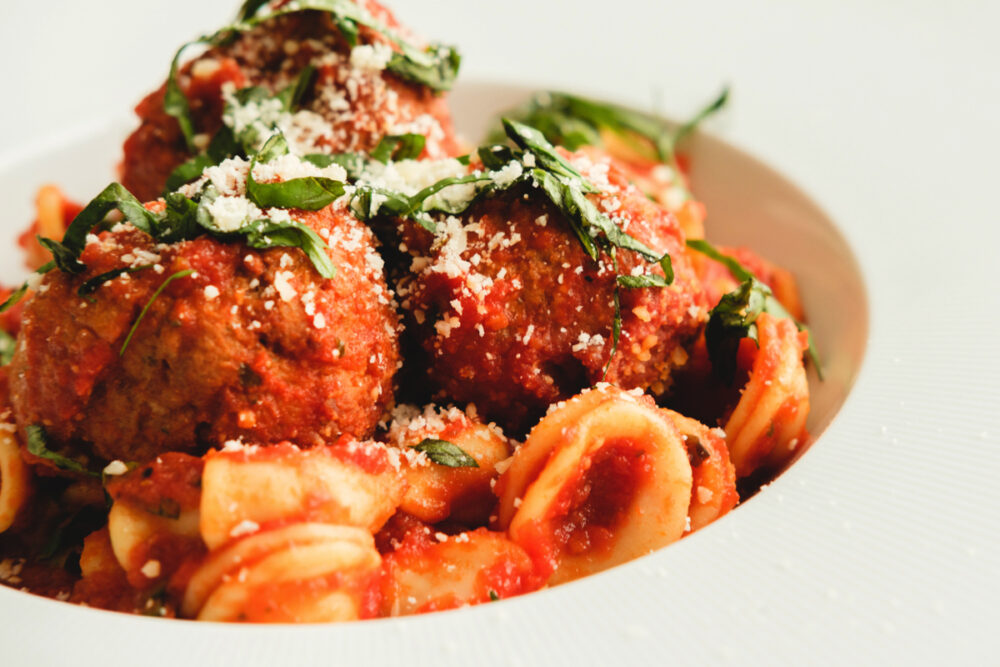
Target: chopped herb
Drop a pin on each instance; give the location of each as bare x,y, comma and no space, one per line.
95,283
445,453
572,121
494,596
8,344
397,147
37,444
145,309
616,331
734,317
114,197
690,126
310,193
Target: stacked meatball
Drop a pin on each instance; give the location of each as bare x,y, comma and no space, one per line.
241,344
350,104
505,309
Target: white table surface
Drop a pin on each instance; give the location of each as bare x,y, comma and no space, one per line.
887,113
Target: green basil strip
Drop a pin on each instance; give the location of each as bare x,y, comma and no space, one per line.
739,271
643,280
396,147
292,94
530,139
616,332
8,345
771,304
113,197
687,128
175,102
437,72
265,234
249,8
309,194
445,453
38,445
732,320
95,283
750,284
145,309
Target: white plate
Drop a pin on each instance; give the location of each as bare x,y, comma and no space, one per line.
879,545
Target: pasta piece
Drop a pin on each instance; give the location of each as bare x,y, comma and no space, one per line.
154,517
768,423
302,573
15,478
427,573
150,547
713,481
349,483
438,492
613,482
103,583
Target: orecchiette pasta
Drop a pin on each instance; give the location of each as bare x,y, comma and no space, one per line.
768,423
713,481
435,492
303,572
430,571
349,483
615,483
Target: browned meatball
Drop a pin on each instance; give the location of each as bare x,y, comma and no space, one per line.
512,315
254,344
350,106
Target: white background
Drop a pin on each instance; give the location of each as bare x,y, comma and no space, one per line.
887,113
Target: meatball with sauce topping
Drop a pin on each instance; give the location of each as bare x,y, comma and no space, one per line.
235,343
511,314
350,104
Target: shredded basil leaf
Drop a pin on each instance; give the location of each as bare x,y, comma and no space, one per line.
175,102
396,147
37,444
573,121
690,126
733,318
291,96
494,596
8,345
249,8
642,280
113,197
616,331
310,193
95,283
145,309
445,453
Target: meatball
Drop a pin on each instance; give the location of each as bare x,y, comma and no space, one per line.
253,344
509,312
351,104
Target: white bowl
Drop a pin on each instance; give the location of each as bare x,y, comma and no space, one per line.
673,598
